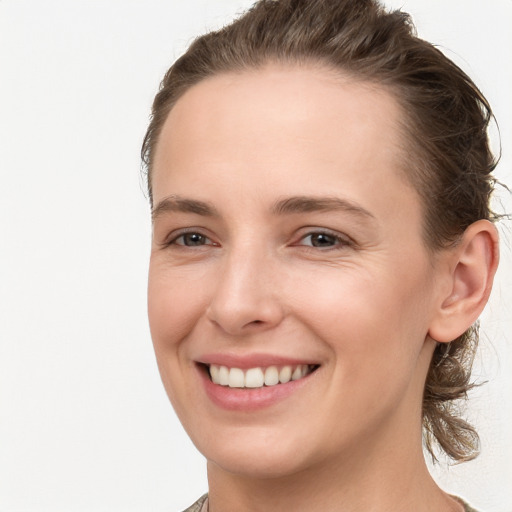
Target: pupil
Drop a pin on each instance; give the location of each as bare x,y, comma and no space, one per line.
322,240
193,239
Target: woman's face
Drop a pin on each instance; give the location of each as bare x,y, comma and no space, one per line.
286,237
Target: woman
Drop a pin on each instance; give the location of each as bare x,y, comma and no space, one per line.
322,248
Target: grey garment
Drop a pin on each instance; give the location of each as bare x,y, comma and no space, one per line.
467,508
202,501
198,505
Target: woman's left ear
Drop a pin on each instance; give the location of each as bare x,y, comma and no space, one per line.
467,284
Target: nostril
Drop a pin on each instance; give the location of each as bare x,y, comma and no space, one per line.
238,316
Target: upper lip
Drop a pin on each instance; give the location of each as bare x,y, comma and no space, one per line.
252,360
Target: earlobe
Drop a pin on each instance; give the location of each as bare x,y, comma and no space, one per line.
471,273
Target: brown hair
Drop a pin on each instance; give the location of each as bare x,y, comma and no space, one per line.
446,121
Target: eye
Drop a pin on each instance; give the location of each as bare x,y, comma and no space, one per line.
324,240
191,240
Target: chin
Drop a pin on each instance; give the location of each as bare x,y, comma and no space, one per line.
257,465
256,455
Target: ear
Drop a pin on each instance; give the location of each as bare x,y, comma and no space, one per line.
467,283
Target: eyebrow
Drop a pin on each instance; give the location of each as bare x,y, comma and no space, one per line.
181,204
304,204
286,206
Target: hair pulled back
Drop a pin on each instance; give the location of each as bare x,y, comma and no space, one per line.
446,119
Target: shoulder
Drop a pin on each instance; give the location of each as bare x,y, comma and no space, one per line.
198,505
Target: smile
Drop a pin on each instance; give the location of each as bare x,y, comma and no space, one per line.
253,382
258,377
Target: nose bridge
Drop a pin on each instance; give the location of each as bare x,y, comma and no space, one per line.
245,297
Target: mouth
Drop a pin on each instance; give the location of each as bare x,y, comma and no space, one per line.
257,377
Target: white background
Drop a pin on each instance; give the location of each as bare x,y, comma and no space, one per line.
84,421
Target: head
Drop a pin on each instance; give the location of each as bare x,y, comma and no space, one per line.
440,142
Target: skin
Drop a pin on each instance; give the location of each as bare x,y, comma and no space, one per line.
364,304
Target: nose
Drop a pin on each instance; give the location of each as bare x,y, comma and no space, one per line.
246,297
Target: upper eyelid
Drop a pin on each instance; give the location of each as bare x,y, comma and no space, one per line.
171,237
338,243
316,231
182,235
301,233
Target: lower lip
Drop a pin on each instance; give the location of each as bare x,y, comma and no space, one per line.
247,399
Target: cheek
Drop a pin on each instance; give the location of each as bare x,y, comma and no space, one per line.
368,313
375,330
175,305
176,301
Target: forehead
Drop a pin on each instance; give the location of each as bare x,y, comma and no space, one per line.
283,127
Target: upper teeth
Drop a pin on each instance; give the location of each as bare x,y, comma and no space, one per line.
257,377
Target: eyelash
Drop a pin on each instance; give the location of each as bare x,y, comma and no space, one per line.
337,241
182,235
